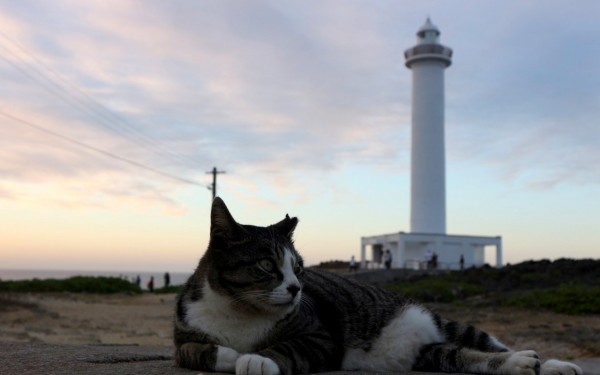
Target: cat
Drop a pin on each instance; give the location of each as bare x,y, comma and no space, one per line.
251,307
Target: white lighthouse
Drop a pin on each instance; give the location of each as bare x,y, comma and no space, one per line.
428,60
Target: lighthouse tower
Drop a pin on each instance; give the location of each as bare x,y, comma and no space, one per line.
428,60
427,238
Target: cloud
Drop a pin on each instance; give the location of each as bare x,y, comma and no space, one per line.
37,167
279,91
526,104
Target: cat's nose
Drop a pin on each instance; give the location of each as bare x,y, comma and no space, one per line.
293,289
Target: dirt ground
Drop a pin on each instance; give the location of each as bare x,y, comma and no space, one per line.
147,320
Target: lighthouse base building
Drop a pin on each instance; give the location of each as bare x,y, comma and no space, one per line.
428,240
415,250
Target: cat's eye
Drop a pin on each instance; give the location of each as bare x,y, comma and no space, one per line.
298,270
267,265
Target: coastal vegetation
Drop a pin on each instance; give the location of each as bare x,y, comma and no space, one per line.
564,286
80,284
333,265
75,284
169,289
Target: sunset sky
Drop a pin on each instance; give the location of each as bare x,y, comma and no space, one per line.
112,112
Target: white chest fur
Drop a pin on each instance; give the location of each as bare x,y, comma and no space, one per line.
213,314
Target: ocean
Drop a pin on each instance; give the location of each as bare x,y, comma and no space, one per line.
177,278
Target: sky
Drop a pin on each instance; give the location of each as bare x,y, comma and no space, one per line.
112,112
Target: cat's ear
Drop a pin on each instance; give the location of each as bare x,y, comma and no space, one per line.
222,224
286,226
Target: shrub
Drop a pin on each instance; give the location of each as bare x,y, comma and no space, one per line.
333,264
169,289
75,284
435,289
567,298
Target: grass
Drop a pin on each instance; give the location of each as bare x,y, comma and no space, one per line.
567,298
75,284
333,264
169,289
437,290
564,286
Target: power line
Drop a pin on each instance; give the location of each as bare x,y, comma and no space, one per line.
103,152
84,102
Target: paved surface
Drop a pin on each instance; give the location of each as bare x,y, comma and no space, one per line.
28,358
589,366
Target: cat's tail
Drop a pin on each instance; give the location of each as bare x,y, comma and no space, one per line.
468,336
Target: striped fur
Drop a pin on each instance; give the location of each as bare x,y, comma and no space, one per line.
251,308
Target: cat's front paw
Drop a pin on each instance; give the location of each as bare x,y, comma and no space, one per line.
556,367
254,364
226,359
525,362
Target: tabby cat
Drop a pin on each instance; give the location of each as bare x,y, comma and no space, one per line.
252,308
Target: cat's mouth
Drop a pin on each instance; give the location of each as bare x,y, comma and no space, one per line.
285,302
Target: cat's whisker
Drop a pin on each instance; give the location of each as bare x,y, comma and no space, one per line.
305,300
252,295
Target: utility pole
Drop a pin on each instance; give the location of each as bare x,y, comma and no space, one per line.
213,187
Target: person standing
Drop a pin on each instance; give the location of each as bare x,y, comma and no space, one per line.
428,256
387,259
462,262
352,264
167,278
151,284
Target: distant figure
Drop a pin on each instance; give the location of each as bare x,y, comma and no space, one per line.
462,262
352,264
428,256
387,259
167,278
434,258
138,280
151,284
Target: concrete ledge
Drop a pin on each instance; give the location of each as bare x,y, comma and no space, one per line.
47,359
33,358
